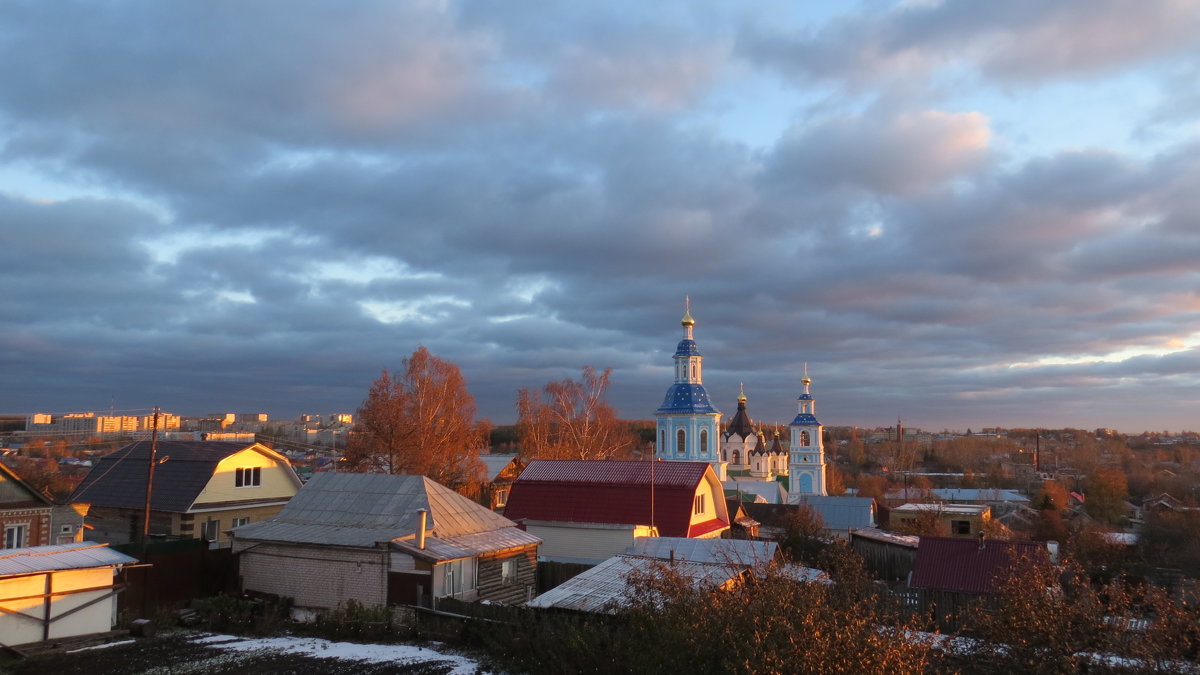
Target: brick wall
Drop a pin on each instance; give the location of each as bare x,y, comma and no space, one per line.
35,520
319,577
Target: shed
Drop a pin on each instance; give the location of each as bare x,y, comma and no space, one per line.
58,591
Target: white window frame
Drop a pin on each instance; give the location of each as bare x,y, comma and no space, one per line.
508,571
16,535
238,522
248,476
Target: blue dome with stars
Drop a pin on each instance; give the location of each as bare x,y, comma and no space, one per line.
686,398
687,348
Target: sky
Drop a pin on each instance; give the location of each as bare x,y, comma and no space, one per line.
958,214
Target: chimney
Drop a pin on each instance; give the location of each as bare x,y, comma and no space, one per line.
981,540
422,514
672,557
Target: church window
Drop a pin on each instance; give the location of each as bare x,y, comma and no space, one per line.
737,457
704,441
805,439
662,439
679,442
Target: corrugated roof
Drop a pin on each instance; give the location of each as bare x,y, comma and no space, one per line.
905,540
603,588
613,492
615,472
438,549
119,479
362,509
736,551
837,513
73,556
962,565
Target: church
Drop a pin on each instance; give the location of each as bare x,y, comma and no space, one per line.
688,428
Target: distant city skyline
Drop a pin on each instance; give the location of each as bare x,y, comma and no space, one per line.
958,214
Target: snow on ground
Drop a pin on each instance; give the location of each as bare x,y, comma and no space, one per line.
349,651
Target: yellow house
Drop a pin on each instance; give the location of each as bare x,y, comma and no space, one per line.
201,489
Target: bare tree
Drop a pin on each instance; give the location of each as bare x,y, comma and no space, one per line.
420,422
570,419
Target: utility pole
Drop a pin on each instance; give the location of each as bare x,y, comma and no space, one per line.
150,476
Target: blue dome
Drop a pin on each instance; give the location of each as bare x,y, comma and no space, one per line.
686,398
687,348
805,420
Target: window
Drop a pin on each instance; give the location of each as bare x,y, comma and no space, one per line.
209,530
698,505
501,497
960,526
508,572
14,536
679,442
662,440
805,438
737,457
238,522
248,477
459,576
704,441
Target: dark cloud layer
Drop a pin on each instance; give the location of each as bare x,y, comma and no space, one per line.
229,207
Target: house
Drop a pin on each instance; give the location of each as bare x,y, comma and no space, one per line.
385,539
25,513
888,556
994,497
587,511
838,514
957,520
707,563
951,573
202,489
500,472
58,591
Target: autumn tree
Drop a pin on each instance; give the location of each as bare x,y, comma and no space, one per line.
1106,493
569,419
422,422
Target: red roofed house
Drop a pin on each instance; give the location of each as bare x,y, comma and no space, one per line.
950,573
587,511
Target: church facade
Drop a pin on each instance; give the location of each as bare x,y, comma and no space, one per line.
687,428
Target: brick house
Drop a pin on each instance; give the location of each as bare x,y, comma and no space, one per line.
385,539
202,489
587,511
25,513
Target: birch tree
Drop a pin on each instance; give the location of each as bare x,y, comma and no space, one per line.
570,419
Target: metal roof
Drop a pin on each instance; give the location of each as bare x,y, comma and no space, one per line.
837,513
73,556
726,551
438,549
614,472
683,397
603,587
613,492
968,565
496,464
362,509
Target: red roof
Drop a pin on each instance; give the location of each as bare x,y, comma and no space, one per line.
611,492
960,565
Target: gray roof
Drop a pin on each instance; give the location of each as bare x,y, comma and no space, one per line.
841,513
362,509
603,588
735,551
119,479
73,556
770,490
495,464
